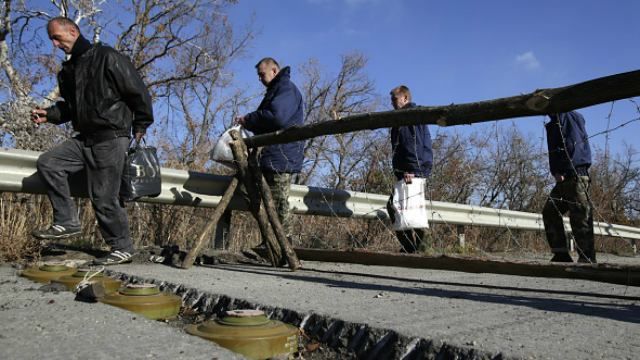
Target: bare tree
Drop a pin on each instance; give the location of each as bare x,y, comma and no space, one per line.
332,160
614,190
454,173
20,78
513,172
375,175
171,42
203,105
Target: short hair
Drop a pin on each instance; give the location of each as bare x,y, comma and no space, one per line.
401,90
268,61
63,21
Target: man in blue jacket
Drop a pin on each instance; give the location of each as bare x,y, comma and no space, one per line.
412,158
281,108
569,160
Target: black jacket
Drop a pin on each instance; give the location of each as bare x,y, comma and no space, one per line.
568,143
412,152
104,97
281,107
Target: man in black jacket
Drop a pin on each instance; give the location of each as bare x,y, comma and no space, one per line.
569,160
281,107
412,158
104,98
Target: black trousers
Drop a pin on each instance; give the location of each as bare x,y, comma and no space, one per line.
570,195
103,163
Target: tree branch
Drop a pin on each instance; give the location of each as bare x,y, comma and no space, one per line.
540,102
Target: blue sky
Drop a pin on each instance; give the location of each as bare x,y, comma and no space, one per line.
458,51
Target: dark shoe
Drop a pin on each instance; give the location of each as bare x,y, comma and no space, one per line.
116,257
56,232
561,257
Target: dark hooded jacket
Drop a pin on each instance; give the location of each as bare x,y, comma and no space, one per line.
412,152
568,143
281,108
104,97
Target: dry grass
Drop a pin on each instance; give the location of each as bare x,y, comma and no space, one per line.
18,215
153,224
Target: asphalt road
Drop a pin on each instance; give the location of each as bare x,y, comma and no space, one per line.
37,325
498,315
515,316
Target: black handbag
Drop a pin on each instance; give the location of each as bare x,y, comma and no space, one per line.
141,175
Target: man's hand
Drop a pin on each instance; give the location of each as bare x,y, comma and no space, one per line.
38,115
239,120
139,136
559,178
408,178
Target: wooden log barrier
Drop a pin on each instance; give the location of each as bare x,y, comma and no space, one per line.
211,225
274,220
609,273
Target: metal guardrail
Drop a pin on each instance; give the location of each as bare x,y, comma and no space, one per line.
179,187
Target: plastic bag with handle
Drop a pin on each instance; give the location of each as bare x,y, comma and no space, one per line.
221,152
410,205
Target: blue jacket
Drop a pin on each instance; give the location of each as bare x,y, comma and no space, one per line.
568,144
412,152
281,107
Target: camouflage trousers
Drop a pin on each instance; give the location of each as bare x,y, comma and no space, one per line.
280,184
570,195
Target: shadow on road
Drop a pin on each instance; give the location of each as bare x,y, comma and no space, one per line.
621,312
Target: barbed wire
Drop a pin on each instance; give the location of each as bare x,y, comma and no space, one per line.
478,155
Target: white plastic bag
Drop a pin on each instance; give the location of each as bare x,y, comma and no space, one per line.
410,205
222,151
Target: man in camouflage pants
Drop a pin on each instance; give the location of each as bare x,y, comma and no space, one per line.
281,107
279,184
569,160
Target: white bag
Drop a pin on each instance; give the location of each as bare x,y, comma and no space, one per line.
222,151
410,205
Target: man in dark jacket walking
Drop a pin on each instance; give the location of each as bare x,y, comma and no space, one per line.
412,158
569,160
281,108
104,98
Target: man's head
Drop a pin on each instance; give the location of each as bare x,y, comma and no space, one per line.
63,33
400,96
267,68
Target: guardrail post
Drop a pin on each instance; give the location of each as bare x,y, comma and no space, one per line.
572,242
220,239
461,237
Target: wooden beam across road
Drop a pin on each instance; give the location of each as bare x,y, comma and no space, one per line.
539,102
608,273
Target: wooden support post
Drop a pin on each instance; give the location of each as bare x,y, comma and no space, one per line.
239,154
267,199
213,222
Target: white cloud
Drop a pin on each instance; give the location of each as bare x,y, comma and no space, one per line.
528,60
